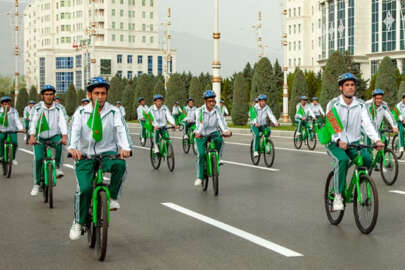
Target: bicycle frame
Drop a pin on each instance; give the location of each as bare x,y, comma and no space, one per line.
263,141
99,185
49,160
355,181
210,153
6,146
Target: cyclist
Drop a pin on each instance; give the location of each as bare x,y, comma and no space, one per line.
189,121
48,112
142,108
161,115
27,113
84,102
317,110
354,116
176,111
223,108
208,120
121,108
401,108
10,123
114,140
259,123
303,113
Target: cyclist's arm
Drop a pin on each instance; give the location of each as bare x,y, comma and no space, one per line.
390,118
221,122
75,130
368,126
62,123
271,116
170,118
33,123
122,135
198,123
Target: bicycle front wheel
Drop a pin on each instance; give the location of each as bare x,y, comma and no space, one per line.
50,184
170,157
311,140
396,145
269,153
255,160
215,174
142,142
155,159
9,163
101,226
334,217
297,140
365,209
186,145
389,167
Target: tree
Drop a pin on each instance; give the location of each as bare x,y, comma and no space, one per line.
401,90
117,86
129,102
80,95
387,80
279,78
33,95
196,91
159,87
227,92
176,90
22,101
71,100
371,87
290,83
300,88
144,88
240,100
312,83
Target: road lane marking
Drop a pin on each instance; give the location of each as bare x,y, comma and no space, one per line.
69,166
26,151
235,231
398,191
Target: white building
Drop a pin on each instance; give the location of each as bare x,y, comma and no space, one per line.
69,41
368,29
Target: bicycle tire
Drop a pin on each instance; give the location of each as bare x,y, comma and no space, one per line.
395,146
181,127
366,228
186,145
171,163
215,174
91,234
297,140
334,217
255,160
194,147
269,156
102,226
155,159
393,165
144,141
312,145
9,163
50,184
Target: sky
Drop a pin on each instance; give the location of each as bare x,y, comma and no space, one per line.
194,18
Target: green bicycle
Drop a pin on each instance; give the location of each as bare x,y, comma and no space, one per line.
386,161
148,135
165,151
266,148
8,155
361,191
189,141
396,145
308,136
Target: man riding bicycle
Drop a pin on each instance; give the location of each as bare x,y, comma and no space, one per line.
27,113
10,123
48,123
140,110
189,121
223,108
400,107
208,120
114,140
352,113
161,115
259,124
317,110
303,113
176,111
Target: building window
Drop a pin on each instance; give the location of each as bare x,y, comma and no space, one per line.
331,27
140,73
121,12
63,80
78,61
41,71
171,65
151,3
299,11
113,12
160,65
79,80
374,25
119,73
113,25
64,62
113,37
105,66
389,25
351,27
341,25
122,26
140,59
129,59
374,67
150,64
143,2
122,38
119,58
129,75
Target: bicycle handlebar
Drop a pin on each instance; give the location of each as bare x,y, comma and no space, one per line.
361,146
100,156
386,131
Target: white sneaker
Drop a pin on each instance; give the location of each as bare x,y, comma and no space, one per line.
143,140
156,150
114,205
35,190
338,203
75,231
197,182
298,133
401,149
221,162
186,137
15,162
59,173
255,154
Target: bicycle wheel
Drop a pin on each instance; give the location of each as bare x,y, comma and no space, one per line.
181,127
395,145
170,157
269,153
101,226
311,140
297,140
91,234
389,167
155,159
9,162
214,175
334,217
186,145
194,146
366,211
143,143
50,184
255,160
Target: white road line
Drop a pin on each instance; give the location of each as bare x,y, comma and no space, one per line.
398,191
69,166
235,231
26,151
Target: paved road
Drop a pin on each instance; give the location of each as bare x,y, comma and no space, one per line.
258,216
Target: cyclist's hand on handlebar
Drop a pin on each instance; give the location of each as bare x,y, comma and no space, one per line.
155,128
227,133
343,145
379,145
197,135
76,154
64,139
23,131
395,130
32,140
124,153
256,125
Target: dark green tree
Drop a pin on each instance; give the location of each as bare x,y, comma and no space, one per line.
144,88
117,86
300,88
227,92
22,101
290,83
176,91
33,95
371,87
401,90
312,83
240,100
387,80
196,91
80,94
71,100
159,87
129,102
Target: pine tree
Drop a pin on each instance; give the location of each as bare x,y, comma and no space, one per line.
240,100
227,93
33,95
196,91
144,88
312,83
176,91
401,90
71,100
159,87
129,102
262,77
299,89
80,94
387,80
117,86
371,87
22,100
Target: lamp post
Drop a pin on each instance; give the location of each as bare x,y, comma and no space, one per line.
216,65
284,117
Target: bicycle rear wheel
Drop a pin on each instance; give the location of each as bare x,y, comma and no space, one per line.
170,157
389,167
366,211
186,145
255,160
269,153
311,140
297,140
194,146
395,145
155,159
215,174
50,184
101,226
334,217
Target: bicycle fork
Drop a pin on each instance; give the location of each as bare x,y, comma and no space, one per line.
46,176
95,198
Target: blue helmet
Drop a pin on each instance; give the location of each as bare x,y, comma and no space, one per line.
47,87
377,92
5,99
97,82
85,100
262,97
190,99
158,96
304,98
346,77
140,99
176,103
32,102
209,94
315,98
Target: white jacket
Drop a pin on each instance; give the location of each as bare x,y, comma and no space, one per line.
122,110
224,110
161,116
307,109
55,117
262,114
354,118
401,107
380,113
209,122
176,110
27,112
190,114
115,134
140,110
317,109
14,123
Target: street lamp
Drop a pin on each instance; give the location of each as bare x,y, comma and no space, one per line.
284,117
216,65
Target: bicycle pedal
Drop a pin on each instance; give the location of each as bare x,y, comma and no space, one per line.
114,209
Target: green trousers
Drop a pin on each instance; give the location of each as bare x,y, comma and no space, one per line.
256,134
14,142
161,132
176,118
300,123
143,129
401,133
201,152
342,159
26,124
84,176
39,156
187,127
